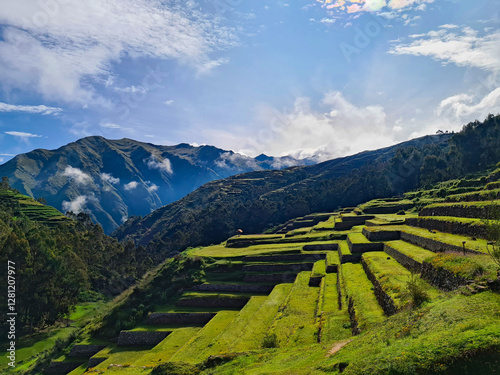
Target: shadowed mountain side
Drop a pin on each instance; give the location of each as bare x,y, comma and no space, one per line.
114,179
258,200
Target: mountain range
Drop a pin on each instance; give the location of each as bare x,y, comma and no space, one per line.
114,179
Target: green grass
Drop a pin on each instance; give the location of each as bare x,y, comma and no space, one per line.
224,342
356,238
359,288
414,252
251,337
462,266
295,323
168,347
431,340
476,195
334,321
394,278
446,238
191,351
344,248
332,257
124,356
319,269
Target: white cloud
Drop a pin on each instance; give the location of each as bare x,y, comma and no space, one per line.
77,175
341,128
153,162
110,125
61,51
169,102
130,89
467,106
131,185
23,136
152,188
108,177
41,109
235,160
465,48
78,204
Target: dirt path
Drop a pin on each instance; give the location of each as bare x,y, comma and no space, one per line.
339,345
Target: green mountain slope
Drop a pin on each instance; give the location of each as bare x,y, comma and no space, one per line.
114,179
258,200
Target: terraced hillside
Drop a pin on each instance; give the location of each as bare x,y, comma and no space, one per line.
380,293
33,209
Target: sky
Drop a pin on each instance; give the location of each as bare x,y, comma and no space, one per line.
306,78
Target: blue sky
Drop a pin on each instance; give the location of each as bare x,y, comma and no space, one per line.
307,78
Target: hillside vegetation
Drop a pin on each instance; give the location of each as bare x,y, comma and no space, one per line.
259,200
114,179
60,261
415,291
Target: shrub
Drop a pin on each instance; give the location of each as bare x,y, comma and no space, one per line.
270,341
493,232
415,290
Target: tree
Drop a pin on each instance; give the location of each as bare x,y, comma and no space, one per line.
5,184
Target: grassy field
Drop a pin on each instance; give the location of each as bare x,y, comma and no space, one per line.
295,323
224,342
192,350
447,238
168,347
252,336
431,340
335,322
359,288
394,278
414,252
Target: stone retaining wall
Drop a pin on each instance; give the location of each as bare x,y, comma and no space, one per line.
315,280
285,258
180,318
352,317
277,278
453,227
57,367
141,338
382,235
356,219
93,362
384,300
364,247
320,247
233,288
442,278
346,225
86,351
457,210
404,260
388,209
278,267
227,302
433,245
